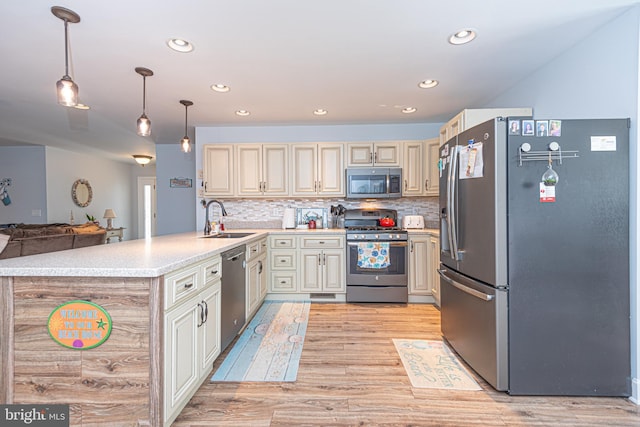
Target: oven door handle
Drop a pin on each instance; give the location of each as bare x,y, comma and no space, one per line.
394,244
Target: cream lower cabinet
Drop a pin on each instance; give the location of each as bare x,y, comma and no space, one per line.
419,278
283,263
218,170
322,264
256,272
191,332
433,264
317,169
262,170
424,260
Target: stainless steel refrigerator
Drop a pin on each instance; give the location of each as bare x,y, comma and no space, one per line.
534,270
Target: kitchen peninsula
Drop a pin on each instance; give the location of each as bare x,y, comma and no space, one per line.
140,284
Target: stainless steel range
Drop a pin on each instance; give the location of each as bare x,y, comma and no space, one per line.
376,257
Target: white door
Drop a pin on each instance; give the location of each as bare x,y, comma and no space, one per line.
147,217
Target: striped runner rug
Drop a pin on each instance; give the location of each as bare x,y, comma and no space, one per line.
269,348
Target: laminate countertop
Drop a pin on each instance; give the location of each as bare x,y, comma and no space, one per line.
142,257
135,258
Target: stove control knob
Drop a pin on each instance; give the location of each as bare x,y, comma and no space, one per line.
397,236
377,236
390,236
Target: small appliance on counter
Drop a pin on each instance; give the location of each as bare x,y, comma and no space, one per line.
289,218
412,222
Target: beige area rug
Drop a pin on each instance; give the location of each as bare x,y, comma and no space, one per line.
430,364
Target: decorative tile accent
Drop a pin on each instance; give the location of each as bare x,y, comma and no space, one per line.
267,213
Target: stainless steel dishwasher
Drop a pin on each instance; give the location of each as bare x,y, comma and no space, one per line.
233,294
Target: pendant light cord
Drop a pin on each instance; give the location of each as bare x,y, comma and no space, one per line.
66,47
144,94
186,108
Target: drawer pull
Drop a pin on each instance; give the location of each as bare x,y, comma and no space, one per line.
188,285
282,243
254,250
283,260
282,282
214,272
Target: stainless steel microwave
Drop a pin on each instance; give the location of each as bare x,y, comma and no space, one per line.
373,183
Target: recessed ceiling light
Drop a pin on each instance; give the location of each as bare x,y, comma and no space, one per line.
462,36
409,110
180,45
242,113
320,112
220,88
428,84
80,106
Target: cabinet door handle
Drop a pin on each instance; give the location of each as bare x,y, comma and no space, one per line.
319,260
411,247
375,157
205,187
206,311
201,315
426,184
259,267
405,185
319,185
324,259
371,157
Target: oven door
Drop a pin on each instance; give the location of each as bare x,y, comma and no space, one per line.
395,274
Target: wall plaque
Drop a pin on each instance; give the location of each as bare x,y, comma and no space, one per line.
79,325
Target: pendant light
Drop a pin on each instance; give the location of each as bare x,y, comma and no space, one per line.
144,124
185,142
67,89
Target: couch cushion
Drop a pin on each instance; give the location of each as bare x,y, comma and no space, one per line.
40,245
12,250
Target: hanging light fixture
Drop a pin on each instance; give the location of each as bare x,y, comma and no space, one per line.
185,142
67,89
144,124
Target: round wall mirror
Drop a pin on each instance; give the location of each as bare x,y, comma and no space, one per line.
81,193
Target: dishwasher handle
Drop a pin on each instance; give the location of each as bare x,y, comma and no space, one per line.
465,289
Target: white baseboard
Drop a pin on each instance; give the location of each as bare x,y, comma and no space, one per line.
635,391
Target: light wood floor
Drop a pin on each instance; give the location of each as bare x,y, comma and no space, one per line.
350,375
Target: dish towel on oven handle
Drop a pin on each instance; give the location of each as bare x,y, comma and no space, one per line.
373,255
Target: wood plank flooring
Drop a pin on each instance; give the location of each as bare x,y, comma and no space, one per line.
351,375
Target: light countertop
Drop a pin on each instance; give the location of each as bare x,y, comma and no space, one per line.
142,258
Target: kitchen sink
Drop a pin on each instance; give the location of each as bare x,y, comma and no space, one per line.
228,235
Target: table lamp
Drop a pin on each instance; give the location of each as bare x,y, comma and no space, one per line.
109,214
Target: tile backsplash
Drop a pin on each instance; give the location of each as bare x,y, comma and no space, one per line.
267,213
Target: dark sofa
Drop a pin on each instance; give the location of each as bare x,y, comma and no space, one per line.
31,239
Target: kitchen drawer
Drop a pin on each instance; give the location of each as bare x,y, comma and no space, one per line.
180,285
322,242
212,269
281,260
283,242
284,281
253,250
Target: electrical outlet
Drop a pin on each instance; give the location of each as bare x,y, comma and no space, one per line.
200,174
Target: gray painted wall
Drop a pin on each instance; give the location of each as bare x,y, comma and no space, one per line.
25,165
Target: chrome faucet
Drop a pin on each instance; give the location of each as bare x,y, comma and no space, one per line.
207,223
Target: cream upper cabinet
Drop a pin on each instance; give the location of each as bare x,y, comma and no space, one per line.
373,154
432,169
470,117
217,170
413,168
318,169
262,170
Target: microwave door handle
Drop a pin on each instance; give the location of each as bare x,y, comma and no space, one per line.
388,183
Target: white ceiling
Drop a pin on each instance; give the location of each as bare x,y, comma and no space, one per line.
361,60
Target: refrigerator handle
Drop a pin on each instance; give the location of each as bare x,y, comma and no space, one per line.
453,215
463,288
